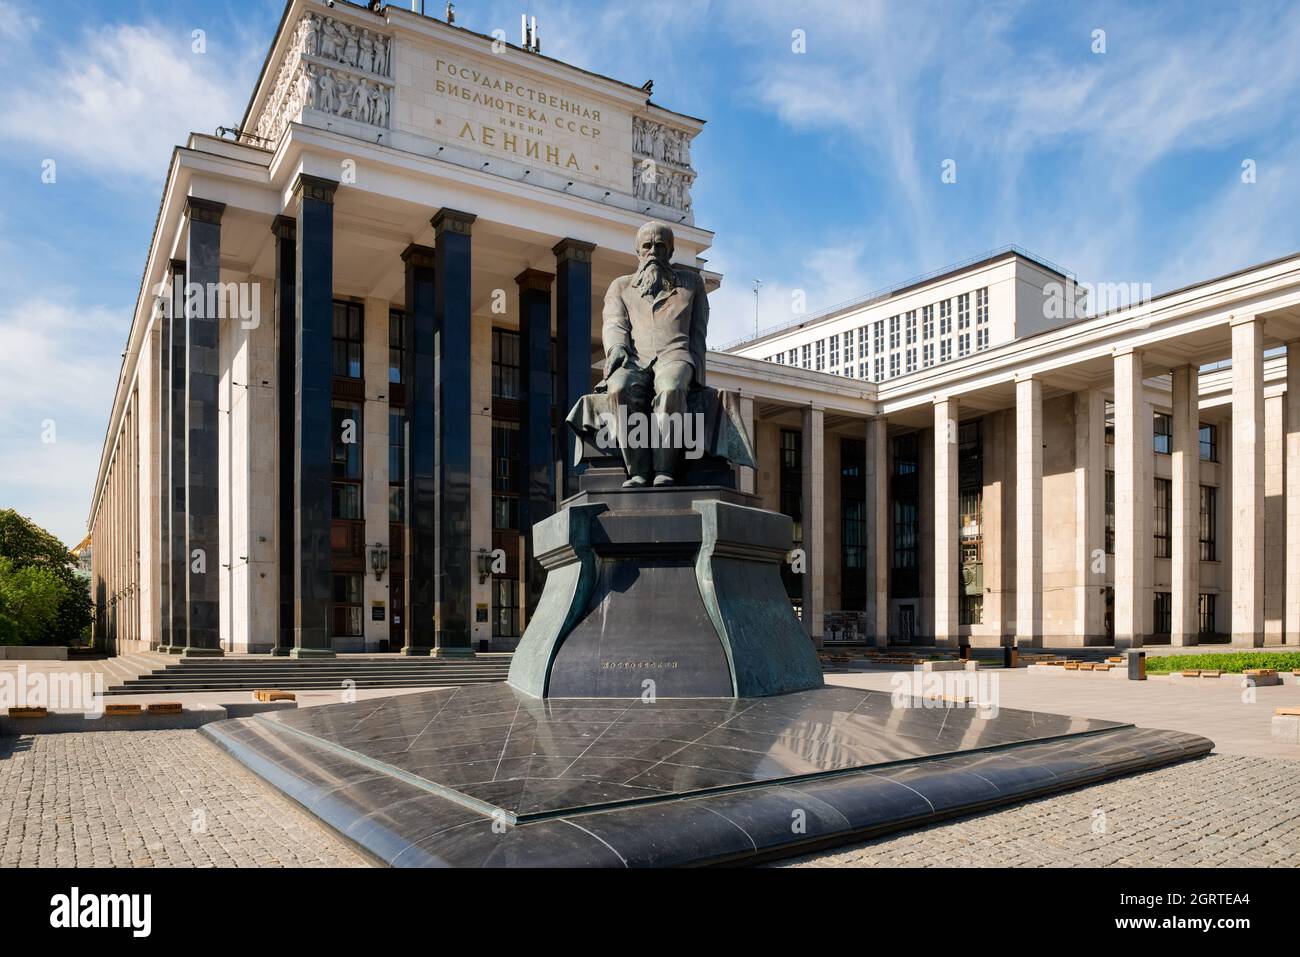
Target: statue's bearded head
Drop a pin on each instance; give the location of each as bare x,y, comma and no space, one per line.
654,247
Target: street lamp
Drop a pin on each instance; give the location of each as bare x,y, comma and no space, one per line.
378,560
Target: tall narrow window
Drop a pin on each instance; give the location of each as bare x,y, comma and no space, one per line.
963,311
396,345
396,465
1209,520
1207,609
346,461
505,365
1164,433
1163,613
1164,509
346,339
1209,443
1110,512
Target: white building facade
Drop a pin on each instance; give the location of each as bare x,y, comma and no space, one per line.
417,224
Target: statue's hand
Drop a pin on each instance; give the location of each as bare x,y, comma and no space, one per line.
617,356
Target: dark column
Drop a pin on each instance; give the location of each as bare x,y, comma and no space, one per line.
286,331
163,544
314,313
572,342
176,564
421,476
453,307
202,369
537,500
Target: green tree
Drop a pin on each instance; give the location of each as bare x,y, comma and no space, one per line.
29,603
26,545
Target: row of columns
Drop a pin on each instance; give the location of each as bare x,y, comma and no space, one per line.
188,368
1133,504
439,559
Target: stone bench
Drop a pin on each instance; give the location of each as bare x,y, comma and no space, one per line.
1286,725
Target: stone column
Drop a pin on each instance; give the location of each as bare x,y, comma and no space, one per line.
284,228
572,342
162,544
1090,512
1133,495
537,501
813,522
1247,481
945,522
877,545
1185,517
1274,438
453,308
747,478
421,437
313,421
202,449
1029,512
374,452
174,548
1291,614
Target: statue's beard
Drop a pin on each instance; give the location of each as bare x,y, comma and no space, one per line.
652,276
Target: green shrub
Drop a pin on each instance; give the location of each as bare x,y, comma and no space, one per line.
1235,662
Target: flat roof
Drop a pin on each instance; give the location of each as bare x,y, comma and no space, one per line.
1010,251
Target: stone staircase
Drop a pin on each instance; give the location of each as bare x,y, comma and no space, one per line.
169,675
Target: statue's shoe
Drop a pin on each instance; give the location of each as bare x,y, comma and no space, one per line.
662,479
636,481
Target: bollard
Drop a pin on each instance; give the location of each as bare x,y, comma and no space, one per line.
1137,665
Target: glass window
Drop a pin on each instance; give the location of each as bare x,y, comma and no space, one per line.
505,364
945,317
347,339
910,328
505,456
345,616
982,306
1110,512
1207,609
1164,433
1209,520
396,346
1209,444
927,322
1164,510
963,311
1163,613
505,608
396,465
346,440
1108,413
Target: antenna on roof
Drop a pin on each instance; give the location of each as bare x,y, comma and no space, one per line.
528,34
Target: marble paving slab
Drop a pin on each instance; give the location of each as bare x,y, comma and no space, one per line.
486,776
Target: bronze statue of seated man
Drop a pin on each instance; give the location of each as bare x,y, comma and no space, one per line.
655,325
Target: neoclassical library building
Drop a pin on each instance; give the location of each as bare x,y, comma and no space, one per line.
365,314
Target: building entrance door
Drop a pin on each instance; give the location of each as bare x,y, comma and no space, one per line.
906,624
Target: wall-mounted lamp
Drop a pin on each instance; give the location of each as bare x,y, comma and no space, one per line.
378,560
484,565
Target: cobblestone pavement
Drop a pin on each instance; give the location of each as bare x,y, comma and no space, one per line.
146,799
1221,810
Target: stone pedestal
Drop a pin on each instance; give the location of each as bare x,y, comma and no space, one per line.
672,591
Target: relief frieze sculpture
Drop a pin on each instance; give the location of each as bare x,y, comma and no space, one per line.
334,67
661,167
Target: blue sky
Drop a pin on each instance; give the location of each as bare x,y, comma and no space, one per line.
820,171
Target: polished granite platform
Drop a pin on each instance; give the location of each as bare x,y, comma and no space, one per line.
487,776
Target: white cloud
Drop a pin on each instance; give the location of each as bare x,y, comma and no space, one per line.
58,372
118,98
